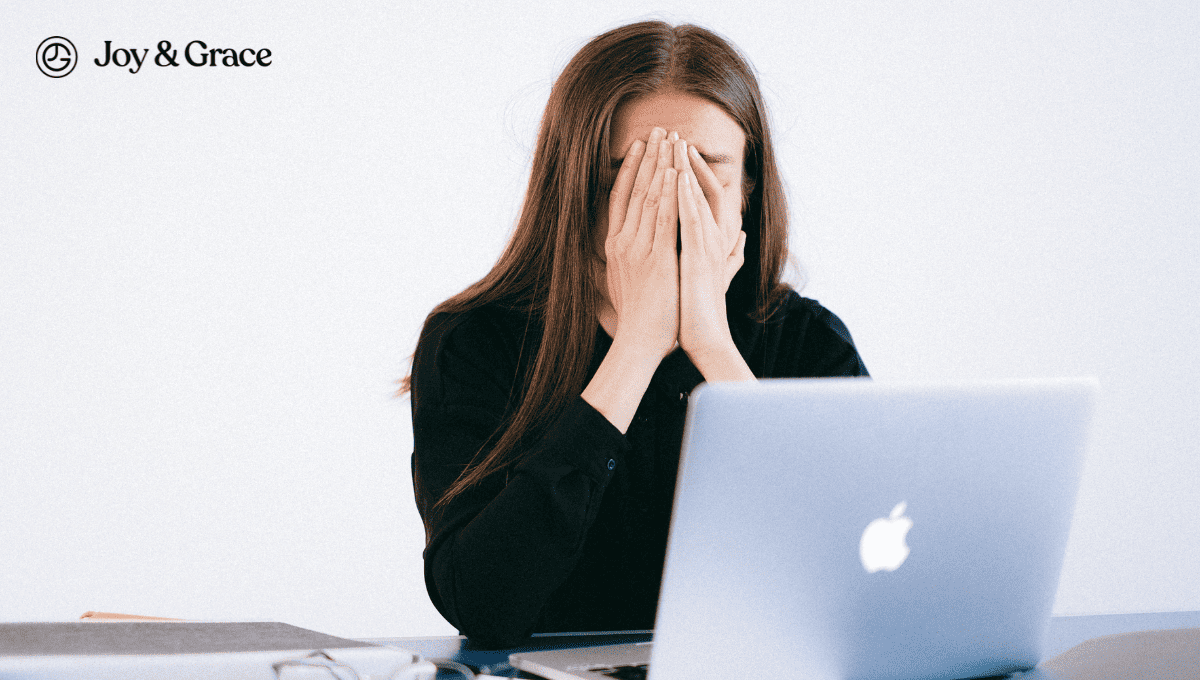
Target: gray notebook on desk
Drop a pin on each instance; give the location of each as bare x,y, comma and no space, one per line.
178,650
866,530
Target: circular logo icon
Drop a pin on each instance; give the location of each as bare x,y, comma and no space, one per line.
56,56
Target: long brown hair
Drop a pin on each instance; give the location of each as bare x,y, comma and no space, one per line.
546,271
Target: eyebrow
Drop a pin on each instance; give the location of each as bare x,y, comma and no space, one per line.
711,159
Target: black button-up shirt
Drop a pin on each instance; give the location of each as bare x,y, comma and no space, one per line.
574,537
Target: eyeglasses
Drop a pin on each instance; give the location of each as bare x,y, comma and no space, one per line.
320,666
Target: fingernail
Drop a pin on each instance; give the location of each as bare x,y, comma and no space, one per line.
657,134
674,136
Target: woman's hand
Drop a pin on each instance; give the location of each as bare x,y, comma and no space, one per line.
712,253
641,266
642,276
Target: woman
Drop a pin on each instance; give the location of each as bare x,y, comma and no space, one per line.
548,398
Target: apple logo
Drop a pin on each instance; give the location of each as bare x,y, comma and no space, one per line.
882,546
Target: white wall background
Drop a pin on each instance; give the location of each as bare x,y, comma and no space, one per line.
210,278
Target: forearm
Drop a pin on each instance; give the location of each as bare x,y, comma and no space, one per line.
621,380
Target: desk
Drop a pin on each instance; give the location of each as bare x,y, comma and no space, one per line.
1064,633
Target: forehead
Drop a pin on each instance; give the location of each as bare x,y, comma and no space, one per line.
697,120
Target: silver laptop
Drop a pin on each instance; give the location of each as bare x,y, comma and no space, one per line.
857,529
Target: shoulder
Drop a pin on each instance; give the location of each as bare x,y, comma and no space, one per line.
483,328
802,338
798,311
480,348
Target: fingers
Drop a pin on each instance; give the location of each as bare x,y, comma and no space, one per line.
709,184
618,200
691,229
668,214
738,257
699,228
647,226
631,217
680,151
711,187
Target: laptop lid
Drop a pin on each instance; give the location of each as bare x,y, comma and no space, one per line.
866,529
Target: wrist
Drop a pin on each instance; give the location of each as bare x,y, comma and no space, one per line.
638,349
720,363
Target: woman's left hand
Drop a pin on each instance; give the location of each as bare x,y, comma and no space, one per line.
713,246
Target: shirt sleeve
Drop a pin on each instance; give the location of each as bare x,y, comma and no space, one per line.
496,553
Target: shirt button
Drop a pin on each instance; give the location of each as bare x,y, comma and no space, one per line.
611,463
682,396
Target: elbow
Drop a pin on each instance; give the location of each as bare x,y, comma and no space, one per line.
487,634
491,616
486,625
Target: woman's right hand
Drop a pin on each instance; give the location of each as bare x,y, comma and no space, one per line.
641,263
